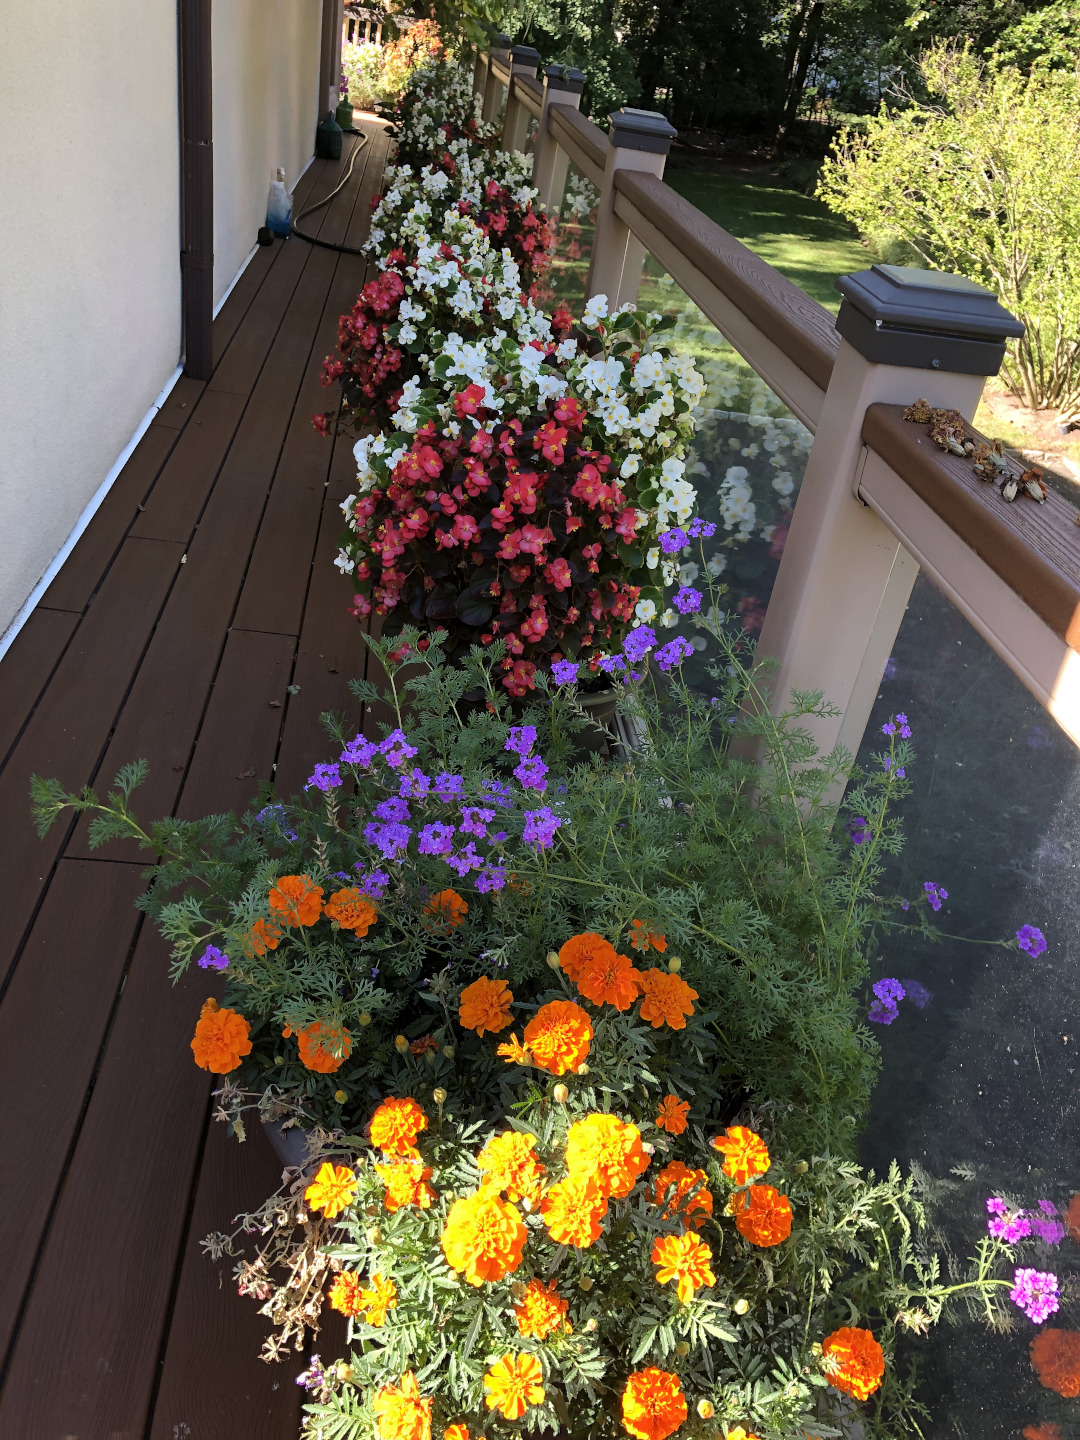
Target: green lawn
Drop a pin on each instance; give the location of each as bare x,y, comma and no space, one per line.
795,233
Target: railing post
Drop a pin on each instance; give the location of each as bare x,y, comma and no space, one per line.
479,73
562,86
524,60
844,580
640,140
492,86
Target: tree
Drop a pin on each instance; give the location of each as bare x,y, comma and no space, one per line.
983,182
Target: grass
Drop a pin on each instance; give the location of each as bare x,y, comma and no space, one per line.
795,233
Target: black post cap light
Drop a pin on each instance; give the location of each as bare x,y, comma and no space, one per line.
641,130
924,319
565,77
525,57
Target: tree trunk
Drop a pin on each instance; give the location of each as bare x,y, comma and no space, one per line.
797,82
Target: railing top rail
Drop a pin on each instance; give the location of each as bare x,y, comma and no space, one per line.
500,69
804,330
1034,549
530,92
574,132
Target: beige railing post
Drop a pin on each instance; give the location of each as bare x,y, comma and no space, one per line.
844,579
640,140
492,86
524,60
562,86
479,73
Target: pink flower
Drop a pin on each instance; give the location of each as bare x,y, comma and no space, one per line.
558,574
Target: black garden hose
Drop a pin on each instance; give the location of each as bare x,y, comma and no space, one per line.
361,141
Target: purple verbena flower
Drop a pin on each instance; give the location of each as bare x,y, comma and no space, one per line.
686,599
917,993
638,643
397,749
436,839
359,752
904,727
449,787
1031,939
700,529
612,664
540,827
900,771
390,839
858,829
905,904
314,1377
493,878
465,860
564,672
495,790
475,819
1005,1223
1036,1293
530,773
415,785
935,894
882,1012
275,815
673,540
673,653
373,883
1048,1226
324,777
889,990
521,740
392,808
213,959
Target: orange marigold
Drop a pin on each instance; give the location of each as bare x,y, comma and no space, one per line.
672,1188
579,948
264,936
573,1209
510,1165
667,999
485,1005
740,1434
332,1190
296,900
346,1294
672,1114
644,937
317,1044
381,1298
220,1039
456,1432
609,979
653,1404
512,1384
684,1259
762,1215
514,1053
540,1310
745,1154
1055,1356
609,1150
854,1361
395,1126
1046,1431
484,1237
351,910
445,910
558,1036
406,1184
401,1412
1072,1218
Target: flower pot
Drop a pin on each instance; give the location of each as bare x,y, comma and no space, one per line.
290,1146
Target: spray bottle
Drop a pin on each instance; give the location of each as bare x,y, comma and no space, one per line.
279,206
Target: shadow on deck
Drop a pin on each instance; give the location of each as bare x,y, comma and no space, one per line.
200,624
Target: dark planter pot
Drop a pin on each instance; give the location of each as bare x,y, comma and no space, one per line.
290,1146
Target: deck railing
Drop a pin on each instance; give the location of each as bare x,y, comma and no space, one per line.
879,499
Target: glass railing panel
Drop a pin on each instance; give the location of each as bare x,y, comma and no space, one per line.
980,1071
575,224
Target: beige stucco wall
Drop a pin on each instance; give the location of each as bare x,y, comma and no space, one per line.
89,258
266,83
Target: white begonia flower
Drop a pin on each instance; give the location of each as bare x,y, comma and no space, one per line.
645,611
566,349
669,619
595,311
688,572
407,333
346,506
344,563
672,469
506,307
716,564
630,466
767,531
783,485
652,557
396,455
551,387
669,570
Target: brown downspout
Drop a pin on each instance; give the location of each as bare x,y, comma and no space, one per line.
333,19
196,186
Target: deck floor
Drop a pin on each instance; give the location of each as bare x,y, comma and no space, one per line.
199,624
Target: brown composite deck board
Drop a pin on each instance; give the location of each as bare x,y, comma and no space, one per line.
183,397
26,669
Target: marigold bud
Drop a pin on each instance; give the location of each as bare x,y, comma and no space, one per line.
430,1055
706,1409
682,1348
741,1306
590,1324
801,1168
582,1070
552,958
448,1051
211,1006
439,1096
344,1372
340,1096
674,964
364,1018
585,1283
279,1059
560,1094
401,1045
374,1236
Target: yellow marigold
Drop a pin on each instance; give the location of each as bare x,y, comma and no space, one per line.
264,936
558,1036
332,1190
484,1237
445,911
854,1361
395,1126
377,1301
456,1432
653,1404
580,948
672,1188
644,937
540,1310
351,910
346,1294
684,1259
667,999
514,1053
296,900
609,1150
762,1215
573,1210
608,978
740,1434
510,1165
220,1040
401,1412
672,1114
745,1154
316,1047
512,1384
485,1005
406,1184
